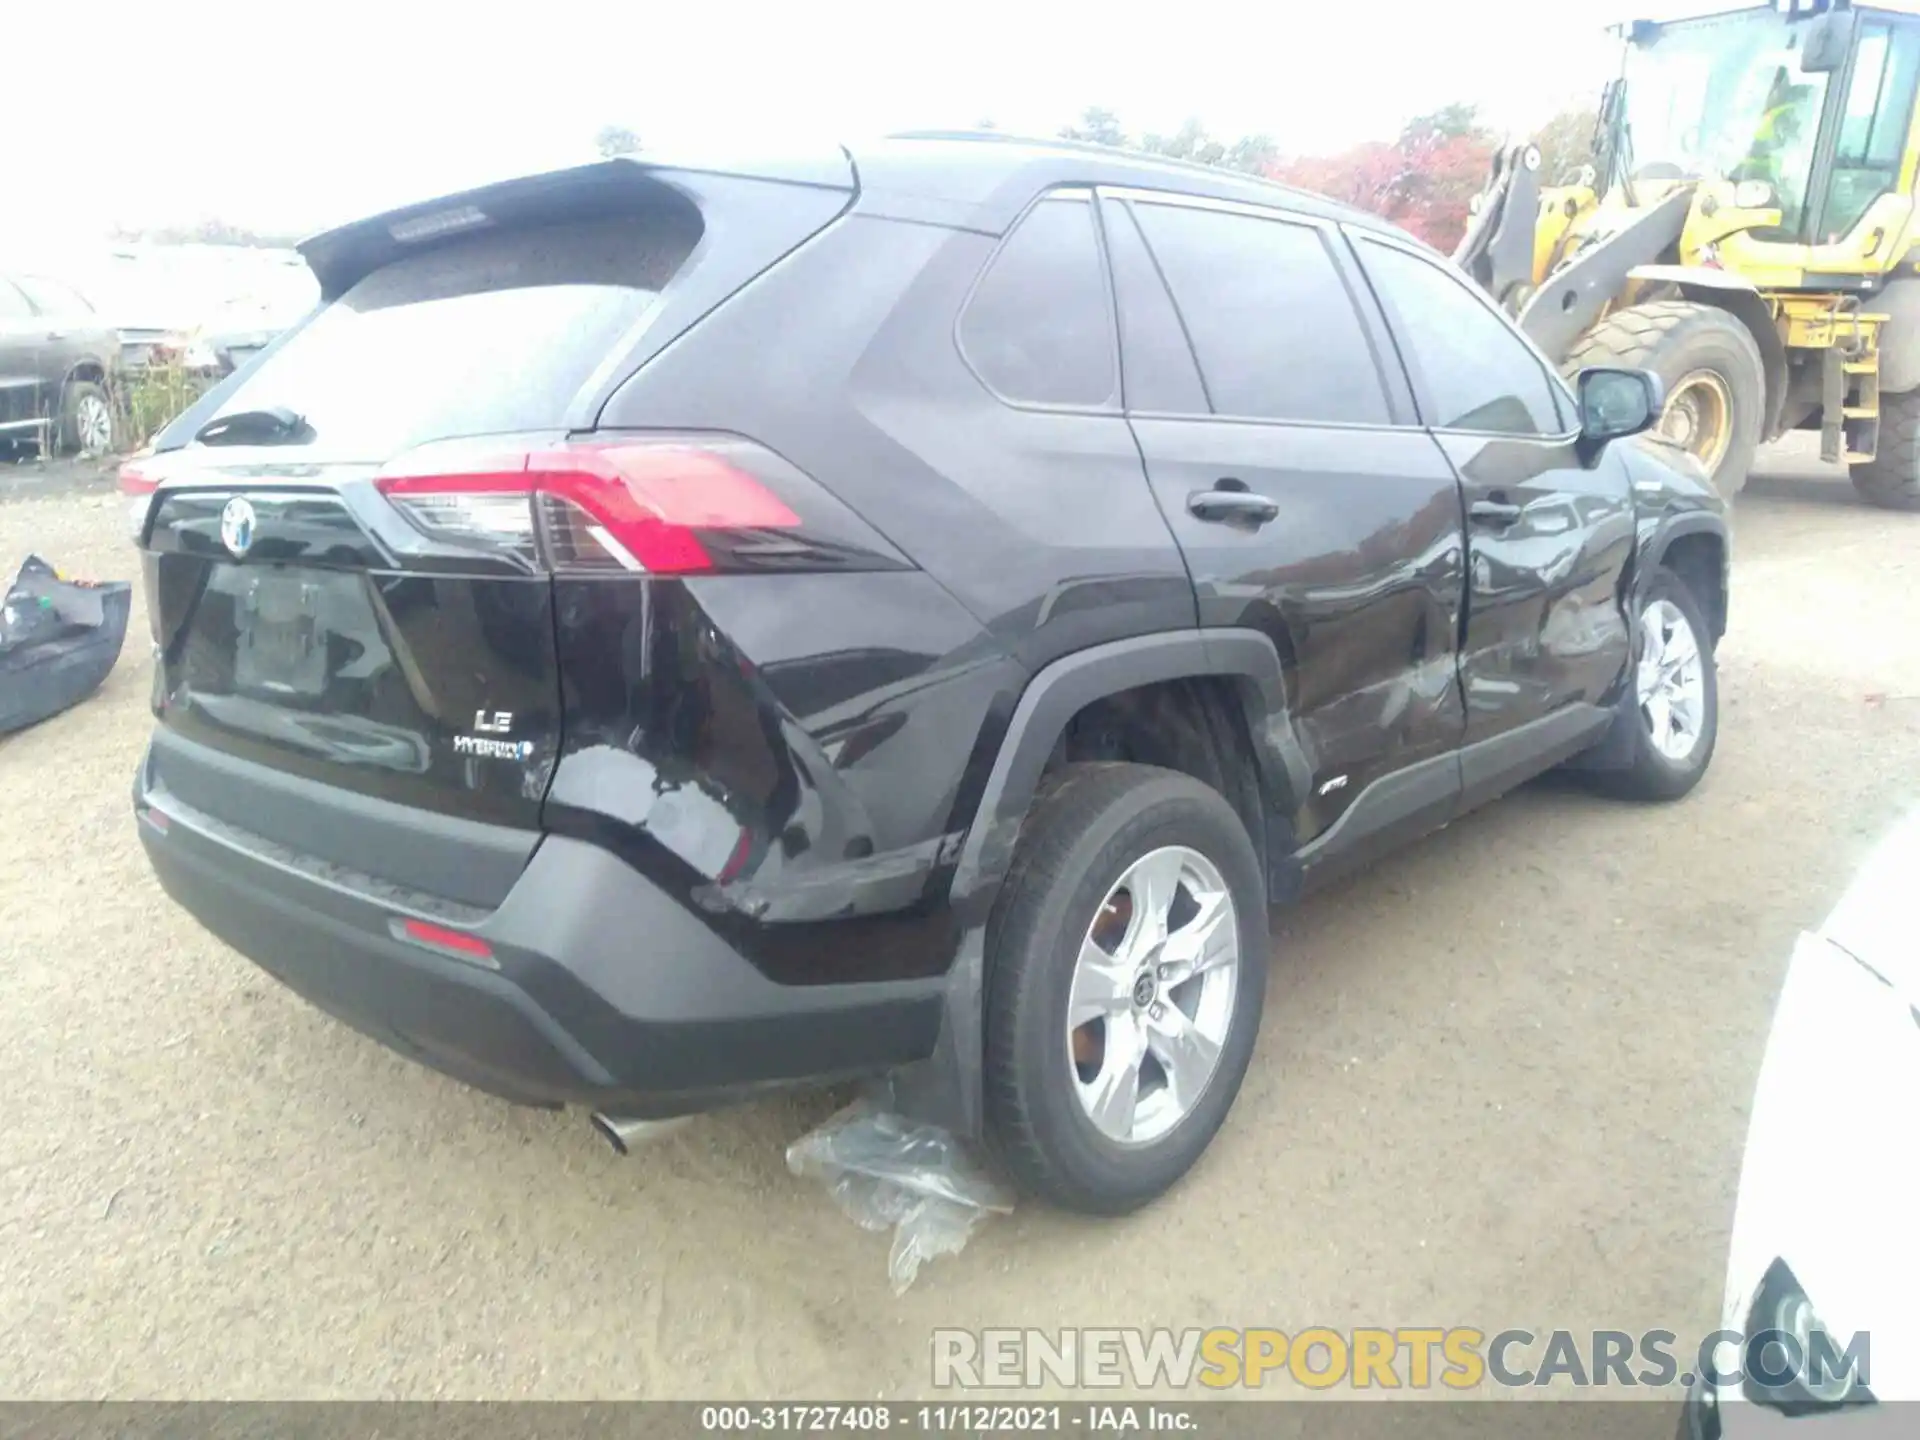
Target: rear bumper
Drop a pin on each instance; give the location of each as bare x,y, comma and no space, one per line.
602,989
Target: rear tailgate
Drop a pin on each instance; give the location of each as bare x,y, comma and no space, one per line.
316,623
336,648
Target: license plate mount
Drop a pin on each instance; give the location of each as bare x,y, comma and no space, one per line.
282,649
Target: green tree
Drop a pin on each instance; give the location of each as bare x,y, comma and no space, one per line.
1190,142
1566,143
616,140
1098,126
211,231
1250,154
1458,121
1254,154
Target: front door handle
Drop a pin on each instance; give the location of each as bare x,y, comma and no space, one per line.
1494,513
1234,507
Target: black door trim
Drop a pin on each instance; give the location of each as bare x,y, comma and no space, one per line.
1424,796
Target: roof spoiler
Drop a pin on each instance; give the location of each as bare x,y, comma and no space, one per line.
341,257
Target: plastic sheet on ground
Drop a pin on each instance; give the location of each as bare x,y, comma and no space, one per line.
59,638
889,1172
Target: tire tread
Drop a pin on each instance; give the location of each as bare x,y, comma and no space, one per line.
1651,776
1891,479
1065,806
1049,861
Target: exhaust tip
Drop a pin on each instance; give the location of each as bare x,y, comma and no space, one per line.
626,1134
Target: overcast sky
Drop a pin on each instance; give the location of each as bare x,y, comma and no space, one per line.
294,114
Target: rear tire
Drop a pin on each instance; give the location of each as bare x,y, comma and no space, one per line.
1891,479
1676,721
1683,341
1058,1100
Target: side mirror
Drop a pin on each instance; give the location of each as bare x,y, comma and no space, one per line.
1617,403
1828,39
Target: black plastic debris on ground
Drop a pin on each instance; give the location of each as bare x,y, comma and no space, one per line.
59,640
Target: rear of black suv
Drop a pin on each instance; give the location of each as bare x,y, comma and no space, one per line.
595,763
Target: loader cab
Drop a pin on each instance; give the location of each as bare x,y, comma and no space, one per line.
1815,105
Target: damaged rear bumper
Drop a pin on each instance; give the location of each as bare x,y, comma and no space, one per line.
587,984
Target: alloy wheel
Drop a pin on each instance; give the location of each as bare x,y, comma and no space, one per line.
93,425
1671,681
1153,995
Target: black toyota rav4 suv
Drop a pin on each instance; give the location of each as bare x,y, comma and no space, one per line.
658,633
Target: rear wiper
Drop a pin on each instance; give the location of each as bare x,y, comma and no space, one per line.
274,426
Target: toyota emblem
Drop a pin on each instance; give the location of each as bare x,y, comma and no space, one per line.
236,526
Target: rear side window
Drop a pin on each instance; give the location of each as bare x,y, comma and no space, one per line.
491,333
13,305
1157,370
1271,322
1472,371
1038,328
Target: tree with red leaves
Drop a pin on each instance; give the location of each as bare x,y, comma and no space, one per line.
1366,177
1423,182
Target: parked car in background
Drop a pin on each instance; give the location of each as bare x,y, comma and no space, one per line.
660,633
240,329
56,357
202,308
1824,1249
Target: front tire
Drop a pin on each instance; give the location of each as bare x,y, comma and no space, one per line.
86,420
1128,965
1891,479
1676,714
1716,383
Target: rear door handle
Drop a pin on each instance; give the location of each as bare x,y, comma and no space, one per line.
1239,507
1494,513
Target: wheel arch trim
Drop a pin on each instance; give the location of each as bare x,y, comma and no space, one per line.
1060,691
1659,541
946,1088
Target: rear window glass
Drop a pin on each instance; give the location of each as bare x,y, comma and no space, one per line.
492,333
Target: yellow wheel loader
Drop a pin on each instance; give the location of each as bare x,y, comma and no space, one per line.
1747,229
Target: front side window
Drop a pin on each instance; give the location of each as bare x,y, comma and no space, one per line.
1873,126
1472,371
50,297
1270,318
13,305
1038,328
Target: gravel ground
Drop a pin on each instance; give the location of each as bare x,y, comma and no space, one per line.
1502,1081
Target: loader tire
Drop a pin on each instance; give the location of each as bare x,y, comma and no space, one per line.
1891,479
1707,358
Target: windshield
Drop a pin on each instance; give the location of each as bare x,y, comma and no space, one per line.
1725,99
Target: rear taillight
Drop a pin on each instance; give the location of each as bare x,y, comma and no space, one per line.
657,506
138,482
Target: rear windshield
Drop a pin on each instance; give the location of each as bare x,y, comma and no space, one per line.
493,332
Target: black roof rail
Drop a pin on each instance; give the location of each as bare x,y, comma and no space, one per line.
1117,153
